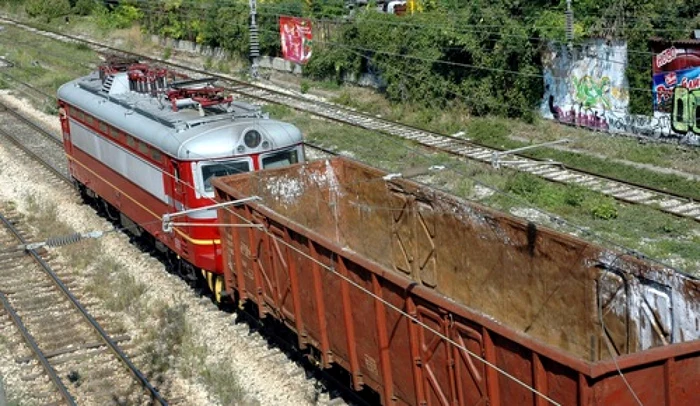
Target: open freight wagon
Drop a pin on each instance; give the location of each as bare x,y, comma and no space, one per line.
433,300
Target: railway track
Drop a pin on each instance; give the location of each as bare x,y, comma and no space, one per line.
63,341
675,204
37,142
43,146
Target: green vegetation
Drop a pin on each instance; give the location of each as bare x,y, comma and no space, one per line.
118,290
47,9
489,49
44,64
654,233
173,345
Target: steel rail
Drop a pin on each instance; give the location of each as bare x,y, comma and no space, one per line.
34,346
56,171
5,108
86,315
627,191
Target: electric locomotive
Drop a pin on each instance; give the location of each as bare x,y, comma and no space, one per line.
143,142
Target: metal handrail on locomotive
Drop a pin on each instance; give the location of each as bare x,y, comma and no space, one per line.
143,141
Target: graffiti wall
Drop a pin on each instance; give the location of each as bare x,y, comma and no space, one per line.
588,87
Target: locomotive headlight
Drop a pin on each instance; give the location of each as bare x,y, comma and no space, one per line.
240,149
266,144
252,139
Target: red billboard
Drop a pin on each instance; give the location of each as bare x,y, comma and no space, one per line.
296,39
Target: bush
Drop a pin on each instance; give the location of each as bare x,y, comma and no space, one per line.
575,195
84,7
122,16
605,210
525,185
47,9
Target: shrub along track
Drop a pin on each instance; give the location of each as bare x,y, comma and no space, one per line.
68,343
674,203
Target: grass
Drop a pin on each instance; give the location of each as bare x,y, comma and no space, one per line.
508,133
45,220
601,214
118,291
172,346
495,133
44,63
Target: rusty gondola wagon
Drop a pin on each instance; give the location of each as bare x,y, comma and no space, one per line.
433,300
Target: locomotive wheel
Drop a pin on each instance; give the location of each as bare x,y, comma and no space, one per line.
187,271
208,276
215,283
218,287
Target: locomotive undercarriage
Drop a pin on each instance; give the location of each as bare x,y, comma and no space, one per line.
143,239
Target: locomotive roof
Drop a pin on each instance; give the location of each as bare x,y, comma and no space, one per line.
183,133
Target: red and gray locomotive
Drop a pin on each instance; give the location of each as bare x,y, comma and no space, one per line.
144,142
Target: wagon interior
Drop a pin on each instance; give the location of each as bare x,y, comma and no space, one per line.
583,298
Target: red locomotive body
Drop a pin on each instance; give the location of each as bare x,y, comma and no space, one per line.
145,142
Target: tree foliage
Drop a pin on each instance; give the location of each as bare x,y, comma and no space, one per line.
47,9
484,54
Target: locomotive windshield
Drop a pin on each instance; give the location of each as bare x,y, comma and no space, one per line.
280,159
213,169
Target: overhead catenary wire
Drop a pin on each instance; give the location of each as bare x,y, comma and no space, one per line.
192,9
426,326
549,216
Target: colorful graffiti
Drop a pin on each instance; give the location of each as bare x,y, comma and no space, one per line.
588,88
590,92
676,86
686,110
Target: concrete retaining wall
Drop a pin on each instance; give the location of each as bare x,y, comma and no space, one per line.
264,62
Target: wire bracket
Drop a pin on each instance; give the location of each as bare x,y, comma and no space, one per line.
168,222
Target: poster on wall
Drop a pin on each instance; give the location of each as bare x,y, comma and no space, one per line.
296,38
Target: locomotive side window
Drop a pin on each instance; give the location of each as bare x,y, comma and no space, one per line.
143,148
131,141
113,132
155,154
210,170
103,127
280,159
